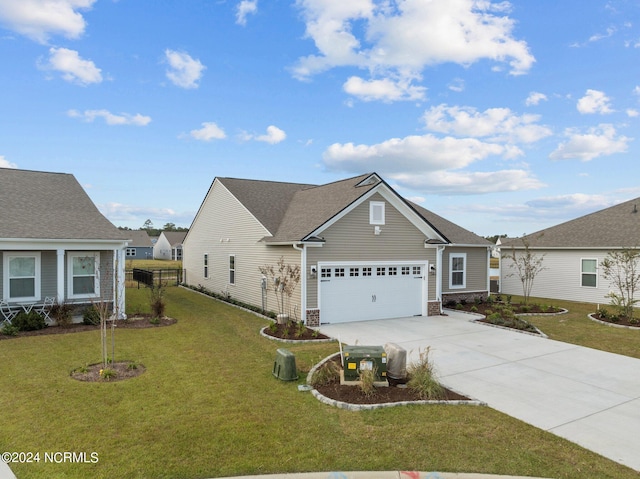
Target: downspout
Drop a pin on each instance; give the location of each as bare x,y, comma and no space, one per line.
439,251
303,283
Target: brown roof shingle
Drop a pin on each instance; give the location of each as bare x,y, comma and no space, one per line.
41,205
614,227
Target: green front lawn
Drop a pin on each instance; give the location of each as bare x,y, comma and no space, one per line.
209,406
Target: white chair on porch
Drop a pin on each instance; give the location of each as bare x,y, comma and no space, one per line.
45,308
7,313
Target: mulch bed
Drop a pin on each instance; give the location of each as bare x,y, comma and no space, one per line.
622,321
122,370
516,307
137,322
290,331
390,394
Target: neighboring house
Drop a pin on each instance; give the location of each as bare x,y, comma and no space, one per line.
363,250
573,253
55,243
169,245
140,246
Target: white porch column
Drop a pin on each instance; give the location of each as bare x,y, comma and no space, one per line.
303,281
439,275
119,283
60,275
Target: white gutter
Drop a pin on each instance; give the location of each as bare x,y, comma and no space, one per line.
303,284
439,251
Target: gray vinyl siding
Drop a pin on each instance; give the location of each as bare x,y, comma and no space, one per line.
477,269
222,228
352,238
561,278
49,279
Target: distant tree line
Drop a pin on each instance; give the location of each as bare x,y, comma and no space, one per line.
151,231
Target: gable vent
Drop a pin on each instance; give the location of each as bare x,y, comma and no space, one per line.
369,180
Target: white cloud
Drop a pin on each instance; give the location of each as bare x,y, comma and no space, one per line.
385,89
535,98
496,124
73,68
602,140
246,7
632,113
4,163
469,183
110,118
416,154
594,101
457,85
572,202
273,135
39,19
402,38
209,131
118,212
183,71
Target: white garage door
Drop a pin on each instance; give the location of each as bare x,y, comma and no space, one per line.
359,292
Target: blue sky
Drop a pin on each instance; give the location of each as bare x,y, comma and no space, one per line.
505,117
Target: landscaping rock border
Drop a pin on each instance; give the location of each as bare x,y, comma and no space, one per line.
368,407
607,323
295,341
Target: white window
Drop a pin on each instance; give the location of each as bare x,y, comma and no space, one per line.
589,273
22,276
381,271
206,265
130,252
232,269
366,271
339,273
457,270
325,272
376,212
353,272
83,275
393,271
417,270
405,270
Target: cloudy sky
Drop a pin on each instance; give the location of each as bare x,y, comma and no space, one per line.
502,116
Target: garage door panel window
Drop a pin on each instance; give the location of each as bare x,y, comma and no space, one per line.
354,272
457,268
339,272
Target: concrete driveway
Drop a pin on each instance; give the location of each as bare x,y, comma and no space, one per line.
589,397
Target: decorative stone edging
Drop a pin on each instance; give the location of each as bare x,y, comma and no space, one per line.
296,341
607,323
479,317
369,407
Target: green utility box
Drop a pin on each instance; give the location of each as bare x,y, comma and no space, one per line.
361,358
284,367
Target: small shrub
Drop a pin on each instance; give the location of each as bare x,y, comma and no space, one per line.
473,309
300,329
31,321
525,308
508,299
488,312
155,321
490,300
477,300
91,316
604,314
156,300
9,330
423,378
61,313
132,366
273,327
329,372
367,378
459,306
108,373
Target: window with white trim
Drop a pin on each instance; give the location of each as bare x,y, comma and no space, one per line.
376,212
205,261
393,271
589,273
130,252
83,274
325,272
22,276
406,270
354,272
457,270
232,269
339,273
366,271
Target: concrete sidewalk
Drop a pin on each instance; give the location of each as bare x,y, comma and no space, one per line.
589,397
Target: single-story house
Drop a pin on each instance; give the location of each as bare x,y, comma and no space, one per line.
55,243
572,253
169,245
140,246
364,252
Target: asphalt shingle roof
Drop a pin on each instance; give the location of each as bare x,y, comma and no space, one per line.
292,211
614,227
40,205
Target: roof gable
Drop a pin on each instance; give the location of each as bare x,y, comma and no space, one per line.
614,227
41,205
